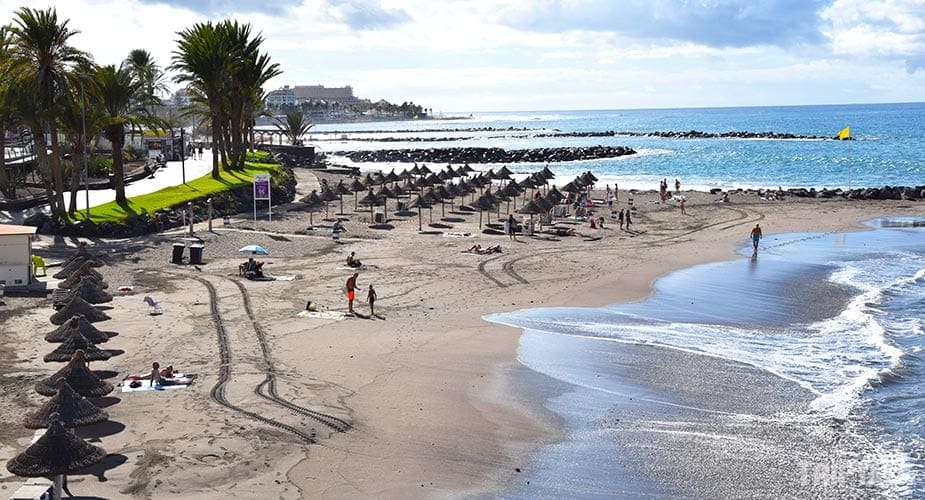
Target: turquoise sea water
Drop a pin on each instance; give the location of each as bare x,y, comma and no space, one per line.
887,150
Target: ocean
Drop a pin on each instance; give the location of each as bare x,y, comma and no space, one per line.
887,149
813,351
794,375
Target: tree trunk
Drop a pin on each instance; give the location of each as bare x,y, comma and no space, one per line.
4,181
57,170
216,135
118,170
41,163
76,169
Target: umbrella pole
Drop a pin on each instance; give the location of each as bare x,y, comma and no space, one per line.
59,485
480,218
372,218
430,213
419,217
355,206
311,217
442,209
341,204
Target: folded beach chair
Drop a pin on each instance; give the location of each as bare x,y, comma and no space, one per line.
154,307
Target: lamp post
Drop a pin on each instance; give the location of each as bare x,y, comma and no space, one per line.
183,155
83,118
189,205
209,201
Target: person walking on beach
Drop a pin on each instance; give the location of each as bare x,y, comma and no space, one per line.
371,298
620,218
511,225
677,185
351,291
629,220
336,229
682,206
756,237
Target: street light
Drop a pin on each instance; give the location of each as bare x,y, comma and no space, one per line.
183,155
83,118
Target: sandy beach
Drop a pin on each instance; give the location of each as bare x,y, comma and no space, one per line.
412,402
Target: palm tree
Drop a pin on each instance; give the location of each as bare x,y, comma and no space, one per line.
81,118
117,91
223,68
203,64
6,108
141,64
41,60
294,126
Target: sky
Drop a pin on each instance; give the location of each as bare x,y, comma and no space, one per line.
517,55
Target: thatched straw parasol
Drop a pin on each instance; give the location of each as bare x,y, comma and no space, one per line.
392,176
77,266
384,194
76,342
86,329
503,173
452,173
588,178
327,195
405,174
81,253
78,305
312,203
420,204
484,202
531,208
56,453
85,269
371,200
79,376
415,170
72,408
341,189
547,173
424,170
379,179
356,186
368,180
90,291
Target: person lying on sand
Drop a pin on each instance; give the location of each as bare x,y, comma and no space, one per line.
352,261
156,378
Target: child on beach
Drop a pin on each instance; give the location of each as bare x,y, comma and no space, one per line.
371,298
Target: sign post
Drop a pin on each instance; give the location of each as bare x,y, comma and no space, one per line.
262,192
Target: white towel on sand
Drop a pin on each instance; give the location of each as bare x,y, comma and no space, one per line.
335,315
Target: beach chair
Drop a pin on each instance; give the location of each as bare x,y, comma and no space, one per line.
154,307
38,262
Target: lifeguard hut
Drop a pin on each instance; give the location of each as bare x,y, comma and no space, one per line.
16,255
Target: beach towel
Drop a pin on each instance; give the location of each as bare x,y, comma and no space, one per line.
180,380
284,277
452,234
334,315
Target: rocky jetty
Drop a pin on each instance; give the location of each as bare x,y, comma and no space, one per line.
488,155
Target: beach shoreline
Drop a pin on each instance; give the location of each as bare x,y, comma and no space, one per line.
424,389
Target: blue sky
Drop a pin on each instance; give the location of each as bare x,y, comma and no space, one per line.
472,55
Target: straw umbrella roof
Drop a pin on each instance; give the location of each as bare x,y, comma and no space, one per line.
69,283
531,207
77,305
543,203
467,169
555,192
588,178
512,189
443,192
443,175
431,196
504,173
340,188
73,265
384,193
79,376
529,182
405,174
370,199
58,451
312,201
397,191
392,176
81,253
451,172
485,202
501,194
327,194
85,328
368,180
547,173
356,186
84,268
422,182
76,342
571,188
490,174
72,408
423,170
419,202
463,187
378,178
452,189
433,180
90,291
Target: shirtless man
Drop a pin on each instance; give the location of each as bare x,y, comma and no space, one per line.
351,291
756,237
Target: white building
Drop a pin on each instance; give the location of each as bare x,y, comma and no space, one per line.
281,97
16,255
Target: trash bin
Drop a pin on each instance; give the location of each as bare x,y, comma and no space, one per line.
177,256
379,217
195,253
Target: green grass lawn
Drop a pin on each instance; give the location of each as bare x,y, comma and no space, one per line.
172,196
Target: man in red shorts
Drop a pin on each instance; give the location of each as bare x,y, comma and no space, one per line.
351,291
